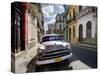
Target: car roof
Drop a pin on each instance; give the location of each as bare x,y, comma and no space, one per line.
50,35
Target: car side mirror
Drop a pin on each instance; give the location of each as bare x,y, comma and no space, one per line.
63,40
40,41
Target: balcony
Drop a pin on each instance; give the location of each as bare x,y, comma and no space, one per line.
71,19
84,11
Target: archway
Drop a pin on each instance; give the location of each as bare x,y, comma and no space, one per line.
70,34
80,33
88,29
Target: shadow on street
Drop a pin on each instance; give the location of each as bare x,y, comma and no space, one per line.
64,65
87,56
31,67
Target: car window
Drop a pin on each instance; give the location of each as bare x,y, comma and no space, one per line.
51,38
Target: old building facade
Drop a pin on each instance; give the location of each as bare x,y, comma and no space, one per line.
66,25
50,28
26,30
72,23
60,24
40,23
86,24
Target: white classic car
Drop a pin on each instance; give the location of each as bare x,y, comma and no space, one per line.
53,49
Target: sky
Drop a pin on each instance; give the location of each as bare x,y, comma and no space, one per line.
49,12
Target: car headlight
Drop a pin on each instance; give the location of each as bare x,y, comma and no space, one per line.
68,46
41,49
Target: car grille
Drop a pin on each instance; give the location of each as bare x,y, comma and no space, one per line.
54,51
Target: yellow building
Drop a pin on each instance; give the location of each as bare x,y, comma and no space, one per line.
71,22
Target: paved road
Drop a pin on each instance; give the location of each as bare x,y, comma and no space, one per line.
83,58
86,55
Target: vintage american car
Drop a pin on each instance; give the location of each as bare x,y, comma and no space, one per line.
53,49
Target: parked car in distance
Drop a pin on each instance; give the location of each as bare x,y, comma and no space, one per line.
53,49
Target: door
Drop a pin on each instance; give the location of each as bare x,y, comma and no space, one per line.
80,33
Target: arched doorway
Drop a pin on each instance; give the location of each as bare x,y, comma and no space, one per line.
80,32
88,29
70,34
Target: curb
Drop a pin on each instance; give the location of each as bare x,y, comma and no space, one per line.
31,66
86,46
90,46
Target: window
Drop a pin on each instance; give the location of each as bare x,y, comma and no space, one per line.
31,31
58,18
52,38
94,9
62,20
17,33
74,32
80,33
60,26
70,15
88,29
80,9
69,34
74,13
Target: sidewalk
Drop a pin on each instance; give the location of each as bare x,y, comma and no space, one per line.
87,45
93,47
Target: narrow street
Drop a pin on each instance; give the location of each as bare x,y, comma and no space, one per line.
86,55
83,58
55,32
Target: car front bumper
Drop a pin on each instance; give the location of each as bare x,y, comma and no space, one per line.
42,62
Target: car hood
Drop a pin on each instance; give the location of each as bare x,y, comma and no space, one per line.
55,43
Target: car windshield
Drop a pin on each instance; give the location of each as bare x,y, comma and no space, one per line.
52,38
